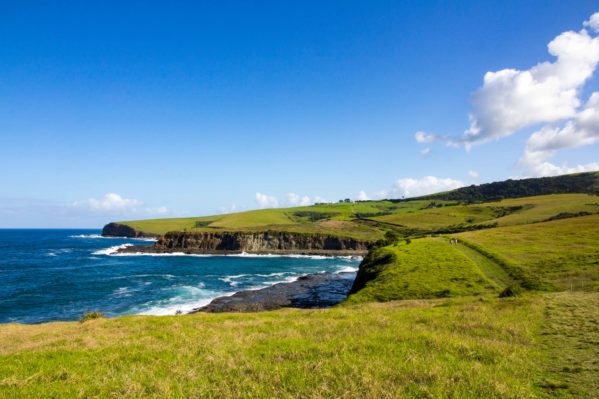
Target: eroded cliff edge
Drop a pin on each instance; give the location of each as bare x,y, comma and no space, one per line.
122,230
267,242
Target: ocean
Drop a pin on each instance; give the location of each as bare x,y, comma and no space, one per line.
59,275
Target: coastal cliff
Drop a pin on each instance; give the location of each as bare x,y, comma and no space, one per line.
122,230
268,242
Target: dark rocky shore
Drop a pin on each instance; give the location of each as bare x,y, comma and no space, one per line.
308,292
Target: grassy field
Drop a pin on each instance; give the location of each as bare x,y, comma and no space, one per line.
569,342
369,220
438,348
564,252
530,347
505,212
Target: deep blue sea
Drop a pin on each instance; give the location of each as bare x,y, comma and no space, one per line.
51,275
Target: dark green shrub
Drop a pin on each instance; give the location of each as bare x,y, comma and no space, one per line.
91,316
511,291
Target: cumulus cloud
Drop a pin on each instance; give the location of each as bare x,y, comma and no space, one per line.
115,204
424,138
593,22
548,94
410,187
425,151
582,130
294,199
266,201
474,174
544,169
362,196
110,202
510,99
291,199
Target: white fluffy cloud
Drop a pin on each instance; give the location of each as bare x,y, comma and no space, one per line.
409,187
294,199
548,169
110,202
474,174
291,199
593,22
266,201
424,138
583,129
362,196
425,151
548,94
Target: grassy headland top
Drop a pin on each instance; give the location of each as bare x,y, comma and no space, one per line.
505,203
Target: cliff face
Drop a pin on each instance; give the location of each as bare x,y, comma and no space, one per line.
259,242
121,230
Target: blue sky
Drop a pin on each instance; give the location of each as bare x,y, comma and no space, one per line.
114,111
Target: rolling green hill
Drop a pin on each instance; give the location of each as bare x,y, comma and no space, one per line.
463,209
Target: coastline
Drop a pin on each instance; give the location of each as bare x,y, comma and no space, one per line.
153,250
310,291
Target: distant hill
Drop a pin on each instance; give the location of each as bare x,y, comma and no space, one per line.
469,208
586,183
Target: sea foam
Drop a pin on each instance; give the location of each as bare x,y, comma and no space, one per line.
111,250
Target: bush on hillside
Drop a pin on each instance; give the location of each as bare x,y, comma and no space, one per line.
511,291
91,316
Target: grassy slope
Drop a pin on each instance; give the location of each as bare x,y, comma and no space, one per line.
534,209
337,221
438,348
341,219
569,341
563,252
426,268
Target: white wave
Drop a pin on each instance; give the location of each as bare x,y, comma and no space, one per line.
111,250
291,276
161,254
185,299
347,269
51,254
94,236
123,292
89,236
241,255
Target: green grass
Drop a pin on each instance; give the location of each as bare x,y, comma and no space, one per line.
534,209
564,252
439,348
546,206
493,270
425,268
278,219
428,219
569,340
347,219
